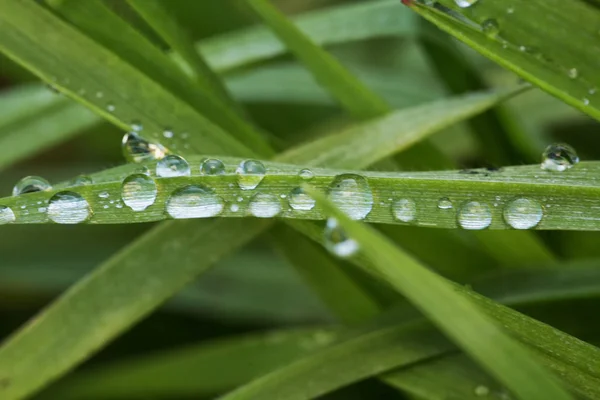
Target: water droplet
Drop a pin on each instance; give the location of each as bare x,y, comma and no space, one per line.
136,126
212,166
404,210
194,201
299,200
352,194
573,73
137,150
482,390
7,215
337,241
31,184
138,192
510,10
306,174
99,95
110,107
250,174
264,205
559,157
68,208
82,180
585,101
172,166
523,213
475,216
168,134
490,27
104,195
592,91
465,3
444,203
119,205
234,208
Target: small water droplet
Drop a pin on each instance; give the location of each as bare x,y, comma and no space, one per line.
234,208
490,27
592,91
559,157
352,194
68,208
167,133
106,206
99,95
444,203
136,126
138,192
119,205
510,10
585,101
482,390
82,180
7,216
240,199
573,73
264,205
337,241
306,174
137,150
299,200
31,184
110,107
523,213
212,166
194,201
104,195
172,166
465,3
404,210
474,216
250,173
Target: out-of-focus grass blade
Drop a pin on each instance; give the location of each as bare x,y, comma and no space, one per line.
528,37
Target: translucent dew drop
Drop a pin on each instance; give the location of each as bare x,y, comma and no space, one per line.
300,201
523,213
264,205
306,174
212,166
110,107
138,192
250,174
7,216
168,134
337,241
172,166
137,150
352,194
482,390
68,208
490,27
465,3
404,210
573,73
475,216
559,157
136,126
82,180
234,208
194,201
31,184
444,203
104,195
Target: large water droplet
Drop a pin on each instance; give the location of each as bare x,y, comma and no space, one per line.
490,27
31,184
475,216
250,173
68,208
444,203
7,216
465,3
306,174
404,210
194,201
337,241
352,194
212,166
172,166
299,200
559,157
264,205
523,213
136,149
138,192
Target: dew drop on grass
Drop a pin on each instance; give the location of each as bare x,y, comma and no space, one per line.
172,166
465,3
523,213
482,390
300,201
306,174
559,157
212,166
234,208
7,216
490,27
337,241
136,126
137,149
194,201
68,208
404,210
31,184
444,203
82,180
264,205
110,107
168,134
104,195
250,173
138,192
475,216
573,73
352,194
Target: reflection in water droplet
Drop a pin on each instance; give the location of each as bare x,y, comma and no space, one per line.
68,208
404,210
490,27
299,200
250,173
475,216
263,205
172,166
352,194
337,241
465,3
137,150
212,166
194,201
444,203
31,184
138,192
573,73
523,213
306,174
559,157
7,216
